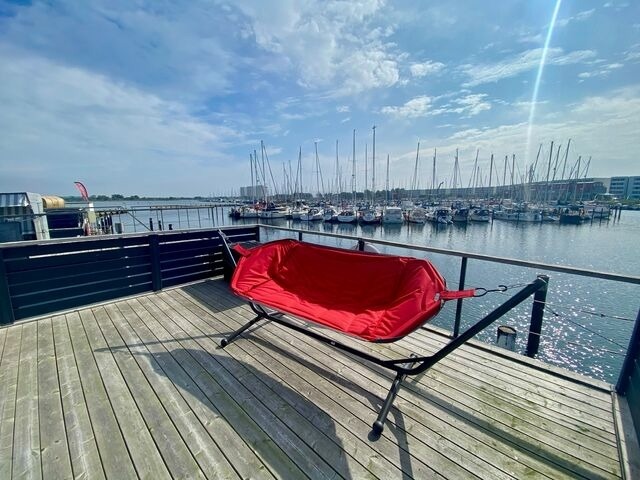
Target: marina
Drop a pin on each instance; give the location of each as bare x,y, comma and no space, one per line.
591,323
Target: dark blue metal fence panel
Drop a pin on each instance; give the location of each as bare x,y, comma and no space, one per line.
629,380
38,278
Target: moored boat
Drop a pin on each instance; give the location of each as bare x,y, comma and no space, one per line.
348,215
479,215
417,215
370,216
392,215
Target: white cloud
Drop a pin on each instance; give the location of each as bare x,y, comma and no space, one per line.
157,47
528,60
603,126
329,45
343,109
425,68
633,53
416,107
578,17
600,72
468,105
472,104
532,38
61,123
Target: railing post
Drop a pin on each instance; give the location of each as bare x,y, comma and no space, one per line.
537,314
300,236
361,245
156,272
630,360
6,310
463,276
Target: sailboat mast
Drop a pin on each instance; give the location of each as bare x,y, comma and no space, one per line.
575,188
566,155
415,171
299,172
433,173
513,172
337,172
253,188
373,168
387,182
353,175
490,172
264,174
456,168
555,164
317,170
474,178
504,172
546,190
366,172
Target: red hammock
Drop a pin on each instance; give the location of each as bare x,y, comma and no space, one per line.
374,297
378,298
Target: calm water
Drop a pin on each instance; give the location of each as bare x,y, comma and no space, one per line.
587,323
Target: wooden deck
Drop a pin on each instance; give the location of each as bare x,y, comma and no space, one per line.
139,388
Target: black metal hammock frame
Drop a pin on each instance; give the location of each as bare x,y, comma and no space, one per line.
403,367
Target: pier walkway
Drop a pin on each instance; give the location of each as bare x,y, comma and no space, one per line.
139,388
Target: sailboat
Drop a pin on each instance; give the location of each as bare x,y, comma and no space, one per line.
349,213
416,214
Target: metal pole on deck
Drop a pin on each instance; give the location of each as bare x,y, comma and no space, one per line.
463,276
630,360
537,314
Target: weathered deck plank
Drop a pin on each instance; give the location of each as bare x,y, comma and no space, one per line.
177,457
145,455
56,462
26,435
197,387
247,405
8,389
201,444
138,388
83,450
111,445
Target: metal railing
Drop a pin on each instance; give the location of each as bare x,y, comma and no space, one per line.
539,303
39,277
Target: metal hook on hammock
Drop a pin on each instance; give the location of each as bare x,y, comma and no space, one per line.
484,291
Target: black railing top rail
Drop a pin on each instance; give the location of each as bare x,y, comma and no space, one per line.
633,279
195,232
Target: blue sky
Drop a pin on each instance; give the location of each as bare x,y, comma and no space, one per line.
169,98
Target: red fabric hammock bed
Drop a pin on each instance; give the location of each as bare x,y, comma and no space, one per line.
378,298
374,297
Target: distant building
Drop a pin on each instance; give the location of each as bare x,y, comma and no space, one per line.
257,192
625,187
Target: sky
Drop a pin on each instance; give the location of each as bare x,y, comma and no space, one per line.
170,98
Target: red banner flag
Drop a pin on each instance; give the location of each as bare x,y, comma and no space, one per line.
83,191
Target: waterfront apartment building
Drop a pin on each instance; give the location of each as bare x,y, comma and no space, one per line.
257,192
625,188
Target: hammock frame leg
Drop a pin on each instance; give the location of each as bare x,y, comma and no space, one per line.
233,335
378,425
